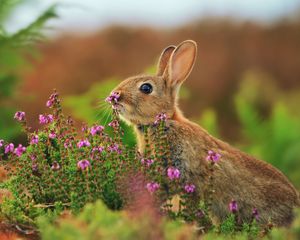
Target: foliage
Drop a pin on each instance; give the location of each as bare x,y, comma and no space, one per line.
273,137
58,167
98,222
64,169
13,48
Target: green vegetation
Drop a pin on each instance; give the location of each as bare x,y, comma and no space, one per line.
98,222
13,48
273,137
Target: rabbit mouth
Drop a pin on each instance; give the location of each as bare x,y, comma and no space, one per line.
124,112
120,108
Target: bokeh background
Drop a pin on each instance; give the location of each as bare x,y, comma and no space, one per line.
245,86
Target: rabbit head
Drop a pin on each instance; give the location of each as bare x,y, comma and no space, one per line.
142,97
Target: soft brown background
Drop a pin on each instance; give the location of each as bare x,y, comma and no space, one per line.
72,63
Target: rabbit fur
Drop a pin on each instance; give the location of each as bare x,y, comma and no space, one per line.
252,183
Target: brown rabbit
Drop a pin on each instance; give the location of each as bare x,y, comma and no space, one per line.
250,182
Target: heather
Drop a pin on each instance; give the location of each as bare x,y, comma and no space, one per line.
62,168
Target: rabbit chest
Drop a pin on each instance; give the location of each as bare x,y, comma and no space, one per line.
184,148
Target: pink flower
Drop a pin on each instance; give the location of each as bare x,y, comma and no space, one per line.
233,207
189,188
52,134
98,149
33,157
83,164
114,148
114,124
67,143
20,150
147,162
213,156
49,103
96,152
1,142
84,128
152,187
161,117
19,116
55,166
173,173
34,139
255,214
34,167
9,148
200,213
83,143
52,99
45,119
96,130
113,99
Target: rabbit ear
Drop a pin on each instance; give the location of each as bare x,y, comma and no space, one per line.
181,62
164,59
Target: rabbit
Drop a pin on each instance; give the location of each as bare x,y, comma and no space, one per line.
237,176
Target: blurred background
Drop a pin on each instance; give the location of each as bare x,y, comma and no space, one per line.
244,89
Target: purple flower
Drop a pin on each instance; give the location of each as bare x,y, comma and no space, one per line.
96,130
9,148
213,156
55,166
34,167
34,139
114,148
161,117
52,134
20,150
255,214
200,214
114,124
52,99
45,119
33,157
98,149
84,128
152,187
67,143
69,121
147,162
233,207
113,99
189,188
83,143
19,116
49,103
83,164
1,142
173,173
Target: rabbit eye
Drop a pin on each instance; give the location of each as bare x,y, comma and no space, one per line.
146,88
